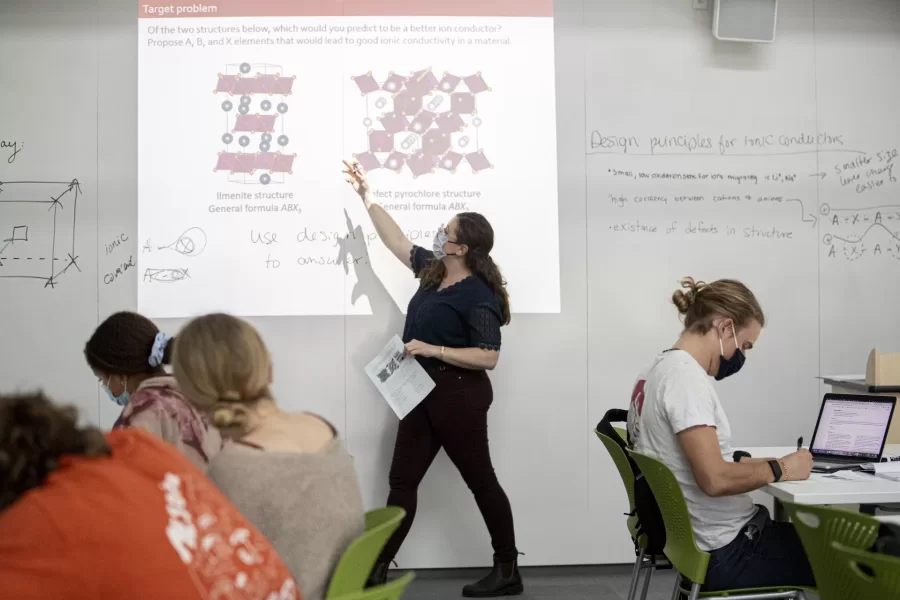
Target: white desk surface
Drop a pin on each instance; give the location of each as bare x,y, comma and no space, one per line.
821,489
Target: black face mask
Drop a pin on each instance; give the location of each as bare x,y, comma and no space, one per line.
730,366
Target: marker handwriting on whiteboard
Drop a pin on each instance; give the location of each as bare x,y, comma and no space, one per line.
115,243
165,275
120,270
264,237
14,148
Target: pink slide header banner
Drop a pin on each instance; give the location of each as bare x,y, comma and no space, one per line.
188,9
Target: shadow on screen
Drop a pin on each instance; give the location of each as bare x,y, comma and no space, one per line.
353,252
385,321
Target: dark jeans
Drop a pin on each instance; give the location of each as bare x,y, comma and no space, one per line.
454,417
764,554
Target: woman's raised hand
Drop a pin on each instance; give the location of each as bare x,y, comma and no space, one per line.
356,179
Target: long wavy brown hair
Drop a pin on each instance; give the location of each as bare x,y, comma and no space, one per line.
474,231
34,435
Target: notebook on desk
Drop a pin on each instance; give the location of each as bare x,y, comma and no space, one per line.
851,430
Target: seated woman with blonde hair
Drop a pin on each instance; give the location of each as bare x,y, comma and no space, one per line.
288,473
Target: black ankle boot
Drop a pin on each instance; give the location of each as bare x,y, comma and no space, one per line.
495,584
378,576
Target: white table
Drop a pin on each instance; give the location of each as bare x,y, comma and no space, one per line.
821,489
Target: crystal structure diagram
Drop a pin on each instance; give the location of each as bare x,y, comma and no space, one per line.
422,123
255,124
37,230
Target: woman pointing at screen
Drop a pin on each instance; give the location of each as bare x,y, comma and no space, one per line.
453,329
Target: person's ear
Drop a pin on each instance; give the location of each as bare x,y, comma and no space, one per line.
723,328
462,250
729,330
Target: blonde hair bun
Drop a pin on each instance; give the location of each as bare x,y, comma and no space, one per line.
223,368
682,299
228,415
700,304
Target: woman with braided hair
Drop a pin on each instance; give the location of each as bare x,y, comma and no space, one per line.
453,329
127,354
288,472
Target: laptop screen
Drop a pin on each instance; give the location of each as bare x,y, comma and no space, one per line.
853,426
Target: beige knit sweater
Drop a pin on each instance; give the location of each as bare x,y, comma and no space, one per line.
307,504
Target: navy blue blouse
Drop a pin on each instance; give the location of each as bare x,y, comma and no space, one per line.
463,315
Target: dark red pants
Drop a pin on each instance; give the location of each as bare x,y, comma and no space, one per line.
452,417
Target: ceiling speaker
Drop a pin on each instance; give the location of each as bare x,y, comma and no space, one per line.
745,20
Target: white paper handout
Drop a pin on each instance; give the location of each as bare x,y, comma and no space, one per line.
400,379
881,468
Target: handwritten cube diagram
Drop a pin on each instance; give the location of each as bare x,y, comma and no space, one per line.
421,123
37,230
259,127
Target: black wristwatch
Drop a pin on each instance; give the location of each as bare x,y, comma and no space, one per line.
776,470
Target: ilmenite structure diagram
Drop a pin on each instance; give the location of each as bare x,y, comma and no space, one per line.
255,127
423,123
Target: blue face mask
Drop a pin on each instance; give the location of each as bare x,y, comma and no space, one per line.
730,366
121,399
441,238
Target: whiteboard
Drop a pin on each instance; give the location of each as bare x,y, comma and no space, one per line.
643,70
715,159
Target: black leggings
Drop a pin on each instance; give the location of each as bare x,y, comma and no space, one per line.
452,416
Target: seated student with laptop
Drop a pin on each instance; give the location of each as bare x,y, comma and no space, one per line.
851,431
676,417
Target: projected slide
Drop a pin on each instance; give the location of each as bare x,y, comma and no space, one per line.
247,108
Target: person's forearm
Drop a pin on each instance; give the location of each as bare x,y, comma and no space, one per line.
755,461
471,358
737,478
385,225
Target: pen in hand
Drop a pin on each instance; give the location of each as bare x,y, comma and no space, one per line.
799,443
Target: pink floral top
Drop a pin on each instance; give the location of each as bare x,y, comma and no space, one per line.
158,406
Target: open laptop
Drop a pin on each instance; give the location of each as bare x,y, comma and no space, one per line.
851,431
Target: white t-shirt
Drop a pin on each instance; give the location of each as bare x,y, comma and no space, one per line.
675,394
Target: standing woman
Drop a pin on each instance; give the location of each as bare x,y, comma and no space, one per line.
453,329
127,354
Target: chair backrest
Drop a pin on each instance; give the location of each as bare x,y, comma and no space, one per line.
681,546
862,575
620,459
818,527
356,563
391,591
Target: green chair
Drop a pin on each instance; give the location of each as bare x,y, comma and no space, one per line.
643,561
681,546
390,591
861,575
356,563
818,527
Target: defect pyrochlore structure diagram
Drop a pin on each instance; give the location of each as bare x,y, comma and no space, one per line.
257,129
421,122
37,230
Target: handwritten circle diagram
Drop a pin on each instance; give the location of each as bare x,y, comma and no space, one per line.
190,243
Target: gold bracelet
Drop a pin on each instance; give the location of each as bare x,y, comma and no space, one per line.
784,471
